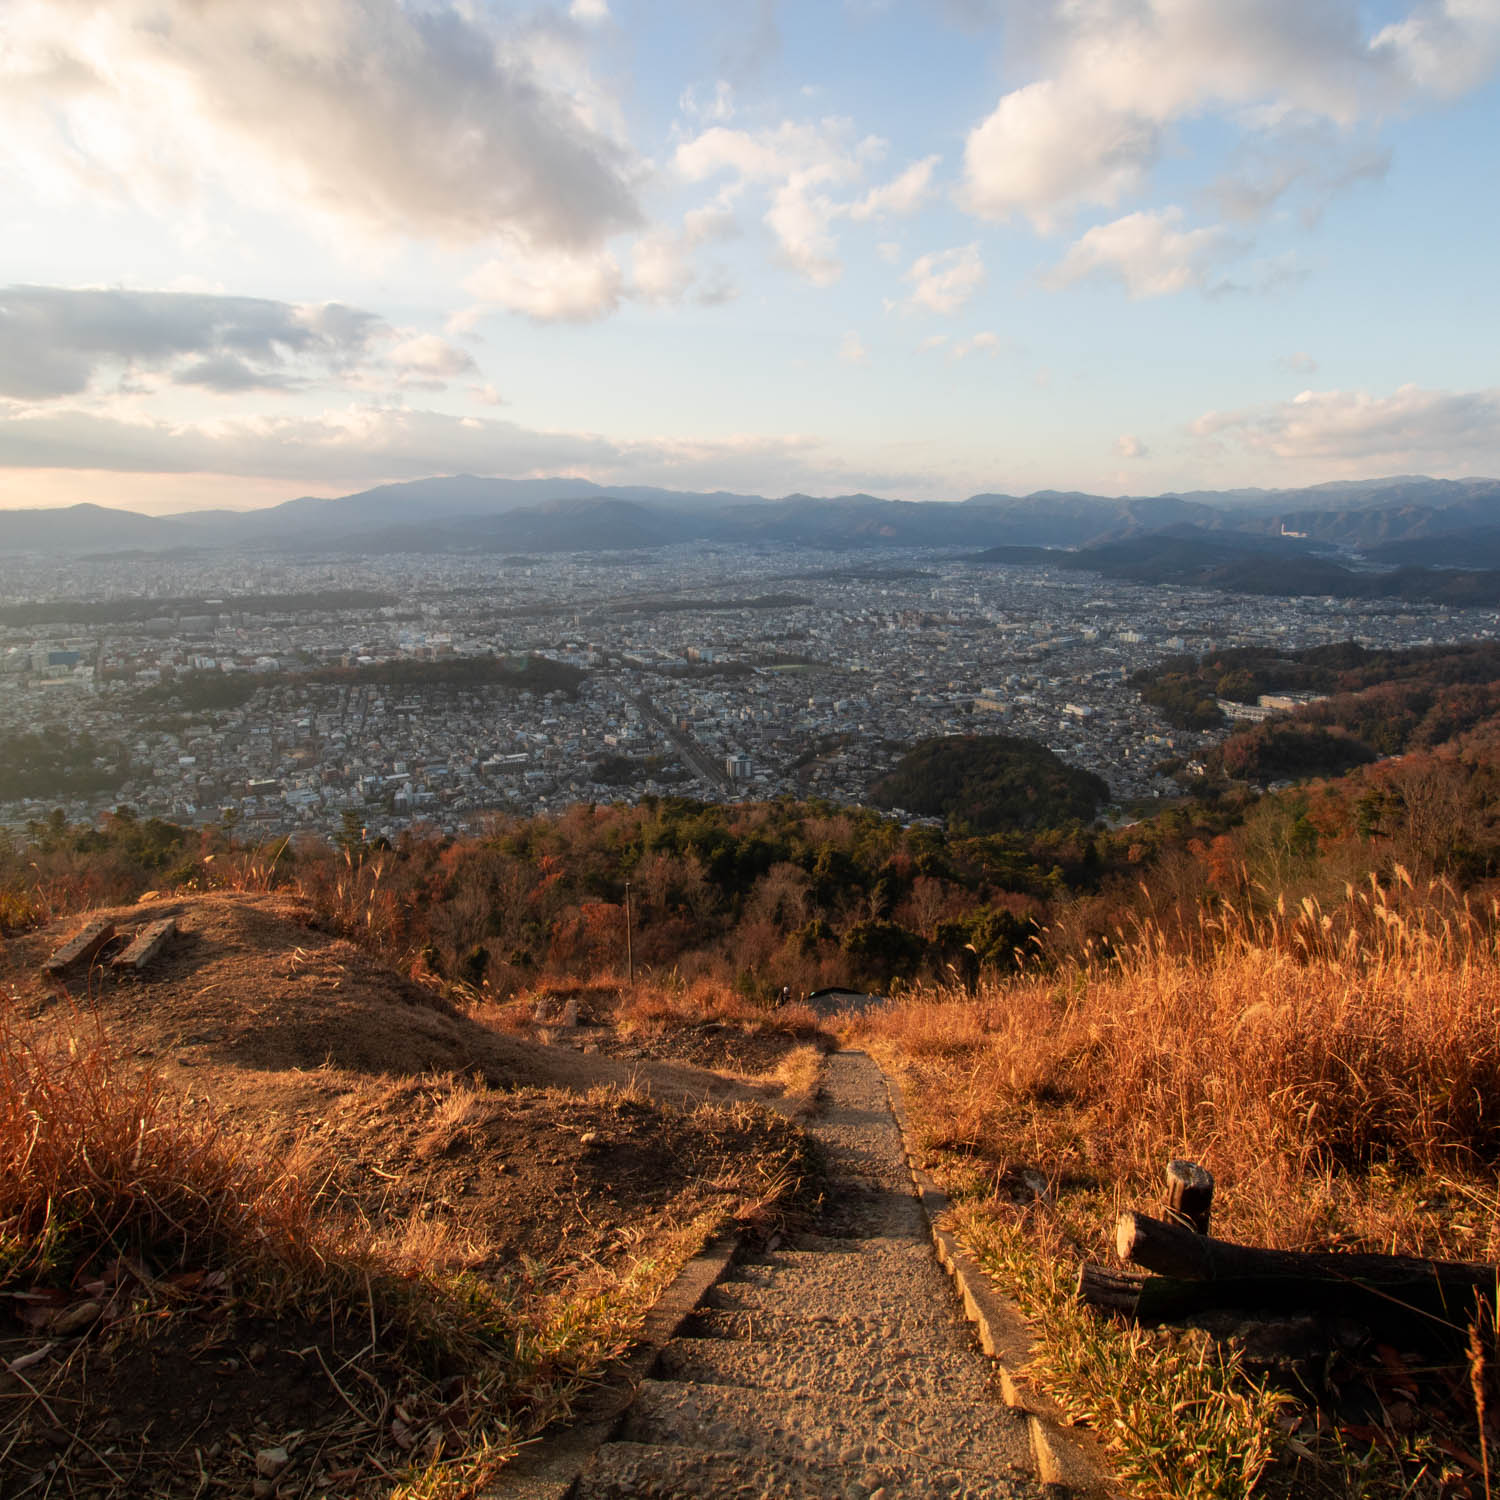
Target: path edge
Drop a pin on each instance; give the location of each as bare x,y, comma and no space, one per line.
1068,1460
549,1466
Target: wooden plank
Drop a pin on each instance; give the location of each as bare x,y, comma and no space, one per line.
83,945
149,941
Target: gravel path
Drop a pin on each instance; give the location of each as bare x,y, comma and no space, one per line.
837,1364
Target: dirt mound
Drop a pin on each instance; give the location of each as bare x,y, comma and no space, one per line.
250,994
567,1180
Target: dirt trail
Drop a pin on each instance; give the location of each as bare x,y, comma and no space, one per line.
838,1364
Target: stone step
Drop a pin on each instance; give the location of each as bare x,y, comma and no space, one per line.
810,1368
911,1329
812,1243
883,1300
813,1251
826,1429
665,1471
910,1274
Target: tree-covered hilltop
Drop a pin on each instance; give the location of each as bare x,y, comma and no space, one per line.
1185,689
1373,703
56,762
986,783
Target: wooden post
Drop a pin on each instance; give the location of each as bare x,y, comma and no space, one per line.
629,951
1190,1195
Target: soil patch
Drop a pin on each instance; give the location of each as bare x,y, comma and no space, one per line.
713,1045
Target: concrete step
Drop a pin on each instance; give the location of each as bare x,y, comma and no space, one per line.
652,1471
859,1279
911,1330
806,1367
820,1300
827,1429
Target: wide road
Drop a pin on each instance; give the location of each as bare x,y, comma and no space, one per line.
699,762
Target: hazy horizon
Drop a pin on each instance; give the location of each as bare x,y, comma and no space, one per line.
167,514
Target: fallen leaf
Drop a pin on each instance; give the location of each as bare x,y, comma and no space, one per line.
26,1361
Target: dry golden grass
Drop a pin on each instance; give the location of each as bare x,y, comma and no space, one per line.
701,1001
115,1187
1299,1054
1337,1070
92,1154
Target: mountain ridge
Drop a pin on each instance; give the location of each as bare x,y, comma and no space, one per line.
466,512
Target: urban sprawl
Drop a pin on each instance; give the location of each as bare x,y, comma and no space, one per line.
710,672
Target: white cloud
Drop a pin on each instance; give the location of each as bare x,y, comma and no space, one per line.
805,171
663,263
1445,47
1412,428
550,288
66,341
426,122
796,164
427,357
662,268
717,106
1128,445
1148,253
800,217
1046,149
901,196
1117,74
1300,363
589,12
932,341
852,350
945,279
1310,161
347,448
980,343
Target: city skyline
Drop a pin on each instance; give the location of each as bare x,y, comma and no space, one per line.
1127,246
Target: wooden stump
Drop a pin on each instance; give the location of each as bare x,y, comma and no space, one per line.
1190,1195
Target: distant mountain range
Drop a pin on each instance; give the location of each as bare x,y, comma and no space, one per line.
1261,540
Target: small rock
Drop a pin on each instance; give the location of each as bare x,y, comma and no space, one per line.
255,1353
263,1489
76,1318
269,1462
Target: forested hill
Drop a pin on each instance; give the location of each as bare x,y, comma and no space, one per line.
983,783
1371,703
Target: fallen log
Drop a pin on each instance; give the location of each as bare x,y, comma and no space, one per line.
1111,1291
1171,1250
1409,1300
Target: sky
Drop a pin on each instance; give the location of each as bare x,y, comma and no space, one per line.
923,250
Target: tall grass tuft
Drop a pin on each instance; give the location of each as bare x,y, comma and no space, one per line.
96,1159
1316,1040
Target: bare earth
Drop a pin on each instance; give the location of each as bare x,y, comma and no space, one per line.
837,1364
